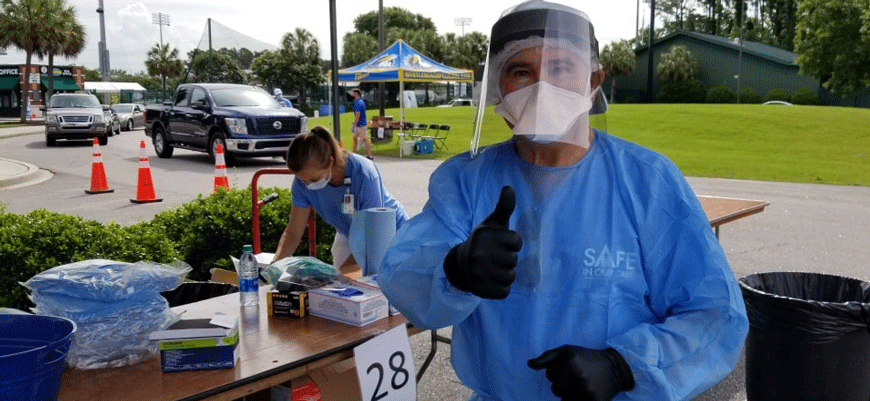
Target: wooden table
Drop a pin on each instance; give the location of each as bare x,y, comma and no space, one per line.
273,349
722,210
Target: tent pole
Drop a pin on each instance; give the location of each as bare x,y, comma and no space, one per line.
401,104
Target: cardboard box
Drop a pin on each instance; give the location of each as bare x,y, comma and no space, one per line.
199,353
337,382
294,303
351,303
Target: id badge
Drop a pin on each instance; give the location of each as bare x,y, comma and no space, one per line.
347,204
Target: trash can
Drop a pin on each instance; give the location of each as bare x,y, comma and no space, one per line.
809,337
189,292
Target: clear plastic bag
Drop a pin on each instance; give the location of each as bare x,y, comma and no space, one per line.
104,280
109,334
304,270
116,306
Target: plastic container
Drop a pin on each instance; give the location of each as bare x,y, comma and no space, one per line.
809,337
249,286
424,146
32,355
197,291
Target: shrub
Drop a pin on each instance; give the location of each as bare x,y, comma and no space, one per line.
203,232
805,96
687,91
208,230
39,240
720,94
749,96
777,94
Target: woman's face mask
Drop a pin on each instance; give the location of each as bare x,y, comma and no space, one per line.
320,184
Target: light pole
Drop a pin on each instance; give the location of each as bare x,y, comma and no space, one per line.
462,22
161,19
104,51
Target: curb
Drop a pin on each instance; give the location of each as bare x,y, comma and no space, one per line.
25,174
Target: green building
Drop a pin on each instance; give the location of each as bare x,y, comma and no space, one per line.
761,67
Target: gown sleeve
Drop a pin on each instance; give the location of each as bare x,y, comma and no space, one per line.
412,274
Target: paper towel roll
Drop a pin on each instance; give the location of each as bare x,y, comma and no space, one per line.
371,232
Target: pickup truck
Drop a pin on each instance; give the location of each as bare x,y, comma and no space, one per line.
244,119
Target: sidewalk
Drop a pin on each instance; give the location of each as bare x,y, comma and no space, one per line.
15,174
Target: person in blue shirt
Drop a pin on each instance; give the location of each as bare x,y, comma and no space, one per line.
324,175
279,96
360,124
572,264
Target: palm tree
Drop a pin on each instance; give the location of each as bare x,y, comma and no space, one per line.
68,38
618,60
678,65
163,61
25,25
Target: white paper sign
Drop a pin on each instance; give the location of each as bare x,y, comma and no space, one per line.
380,132
385,367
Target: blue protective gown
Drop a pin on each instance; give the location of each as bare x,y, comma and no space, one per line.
617,252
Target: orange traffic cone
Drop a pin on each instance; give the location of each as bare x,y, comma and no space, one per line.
220,170
145,188
98,174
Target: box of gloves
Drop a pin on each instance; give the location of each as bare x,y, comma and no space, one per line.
350,303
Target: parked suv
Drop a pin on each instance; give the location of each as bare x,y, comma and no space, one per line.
75,116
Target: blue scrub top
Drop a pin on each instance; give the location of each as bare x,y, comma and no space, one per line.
359,106
617,252
366,186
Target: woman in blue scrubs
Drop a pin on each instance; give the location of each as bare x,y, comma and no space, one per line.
327,177
572,264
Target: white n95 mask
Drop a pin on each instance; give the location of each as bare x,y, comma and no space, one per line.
319,184
546,113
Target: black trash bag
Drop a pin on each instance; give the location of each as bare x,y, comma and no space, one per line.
197,291
809,337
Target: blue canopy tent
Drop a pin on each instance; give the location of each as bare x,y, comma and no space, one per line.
401,63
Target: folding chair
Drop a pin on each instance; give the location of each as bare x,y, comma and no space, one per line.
432,127
441,136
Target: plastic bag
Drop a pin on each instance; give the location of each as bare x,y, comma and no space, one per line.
811,307
109,334
104,280
305,270
116,306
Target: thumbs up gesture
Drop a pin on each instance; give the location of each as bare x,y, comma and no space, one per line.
484,264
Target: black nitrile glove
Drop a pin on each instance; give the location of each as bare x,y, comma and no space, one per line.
484,264
582,374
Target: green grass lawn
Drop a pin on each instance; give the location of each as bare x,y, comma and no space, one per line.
815,144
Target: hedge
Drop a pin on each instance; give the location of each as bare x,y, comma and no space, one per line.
688,91
720,94
203,232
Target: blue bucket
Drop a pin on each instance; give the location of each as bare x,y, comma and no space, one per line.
32,355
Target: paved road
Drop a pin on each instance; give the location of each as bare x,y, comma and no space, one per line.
807,227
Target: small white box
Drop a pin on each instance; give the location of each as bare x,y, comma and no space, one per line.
372,281
357,305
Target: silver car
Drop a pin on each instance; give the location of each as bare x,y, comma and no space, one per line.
131,115
75,116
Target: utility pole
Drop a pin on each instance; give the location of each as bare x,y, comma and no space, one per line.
381,85
333,40
161,19
649,72
104,52
462,22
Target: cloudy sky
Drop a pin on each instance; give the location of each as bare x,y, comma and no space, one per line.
130,32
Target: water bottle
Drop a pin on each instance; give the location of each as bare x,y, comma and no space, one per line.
249,286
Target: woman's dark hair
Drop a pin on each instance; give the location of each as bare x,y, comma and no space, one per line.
314,147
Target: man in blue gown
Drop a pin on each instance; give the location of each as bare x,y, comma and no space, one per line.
572,264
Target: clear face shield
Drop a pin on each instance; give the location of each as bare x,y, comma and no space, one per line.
538,74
